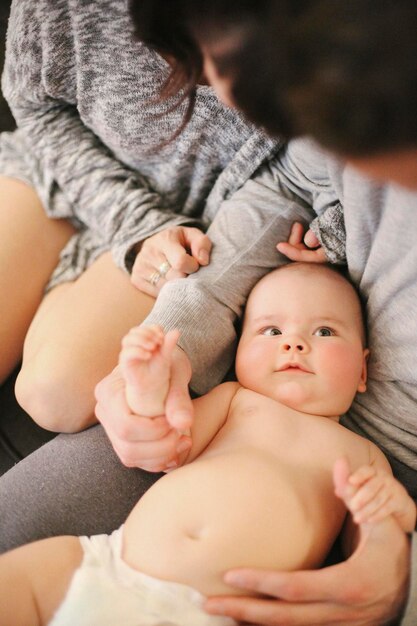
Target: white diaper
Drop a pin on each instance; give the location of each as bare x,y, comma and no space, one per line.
105,591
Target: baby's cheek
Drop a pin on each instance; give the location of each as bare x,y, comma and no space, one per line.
253,352
249,360
344,365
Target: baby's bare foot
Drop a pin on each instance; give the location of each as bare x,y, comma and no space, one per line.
145,362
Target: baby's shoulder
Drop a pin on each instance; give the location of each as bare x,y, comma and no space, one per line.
229,388
357,448
222,394
248,398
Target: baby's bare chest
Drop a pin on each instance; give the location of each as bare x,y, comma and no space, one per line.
293,437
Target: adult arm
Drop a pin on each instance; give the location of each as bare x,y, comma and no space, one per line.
40,84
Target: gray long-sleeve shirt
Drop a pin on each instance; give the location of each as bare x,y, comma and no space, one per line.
84,94
381,254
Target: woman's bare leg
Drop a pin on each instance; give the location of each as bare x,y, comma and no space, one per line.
30,244
74,342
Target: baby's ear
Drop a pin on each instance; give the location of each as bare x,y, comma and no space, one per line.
364,373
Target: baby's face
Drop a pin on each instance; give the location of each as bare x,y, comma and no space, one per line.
302,341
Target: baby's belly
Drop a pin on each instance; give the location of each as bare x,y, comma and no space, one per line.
225,511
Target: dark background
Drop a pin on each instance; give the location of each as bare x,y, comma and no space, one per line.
19,436
6,119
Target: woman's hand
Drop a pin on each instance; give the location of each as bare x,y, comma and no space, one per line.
172,253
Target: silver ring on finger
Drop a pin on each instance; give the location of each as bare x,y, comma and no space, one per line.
153,279
164,268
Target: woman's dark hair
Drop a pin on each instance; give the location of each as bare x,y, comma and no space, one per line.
342,71
160,25
172,28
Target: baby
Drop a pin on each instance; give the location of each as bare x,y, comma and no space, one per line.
256,488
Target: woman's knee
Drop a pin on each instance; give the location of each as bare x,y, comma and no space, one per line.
56,396
73,342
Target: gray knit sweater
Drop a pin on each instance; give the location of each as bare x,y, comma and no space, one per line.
85,97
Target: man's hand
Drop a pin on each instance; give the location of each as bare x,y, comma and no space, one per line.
302,248
154,444
369,589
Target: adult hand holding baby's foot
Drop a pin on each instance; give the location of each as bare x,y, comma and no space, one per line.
145,362
151,365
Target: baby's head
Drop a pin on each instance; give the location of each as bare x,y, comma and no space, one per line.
303,340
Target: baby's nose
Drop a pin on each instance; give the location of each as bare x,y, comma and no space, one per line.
293,345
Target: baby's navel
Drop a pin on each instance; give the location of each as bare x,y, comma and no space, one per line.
195,533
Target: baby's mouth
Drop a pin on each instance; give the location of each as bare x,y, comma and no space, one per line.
294,368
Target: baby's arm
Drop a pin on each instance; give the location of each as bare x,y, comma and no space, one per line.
210,415
371,493
34,580
377,494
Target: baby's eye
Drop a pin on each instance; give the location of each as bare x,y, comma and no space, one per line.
270,331
323,331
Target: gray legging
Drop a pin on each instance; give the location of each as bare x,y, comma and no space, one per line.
72,485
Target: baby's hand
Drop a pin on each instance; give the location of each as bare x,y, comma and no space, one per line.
378,494
305,249
372,494
145,362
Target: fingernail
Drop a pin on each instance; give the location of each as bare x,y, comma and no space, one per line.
171,465
183,445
